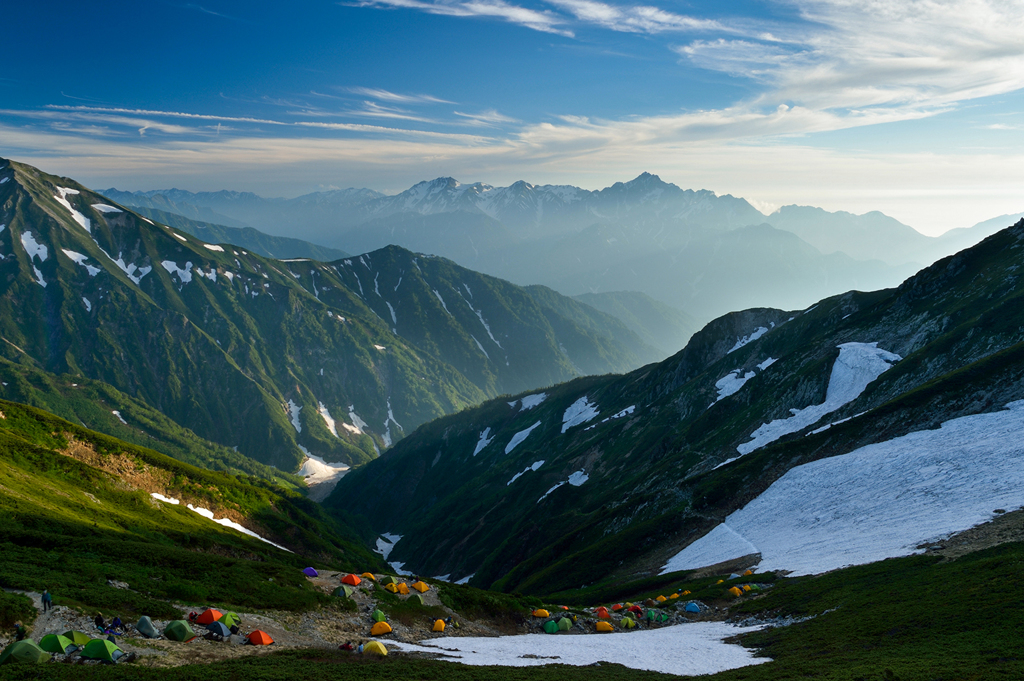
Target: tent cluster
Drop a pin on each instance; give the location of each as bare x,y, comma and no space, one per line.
28,651
219,626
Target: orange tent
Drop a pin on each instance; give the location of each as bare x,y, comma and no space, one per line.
351,580
602,612
604,627
260,638
541,612
421,586
735,591
209,616
661,599
403,589
617,607
369,576
380,628
438,625
748,573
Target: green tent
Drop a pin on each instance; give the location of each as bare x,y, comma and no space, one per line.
344,591
24,652
230,619
146,628
179,630
101,649
55,643
416,598
378,616
77,637
387,579
564,624
651,615
627,623
551,627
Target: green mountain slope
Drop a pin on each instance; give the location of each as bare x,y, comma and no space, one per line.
659,325
275,358
526,499
76,509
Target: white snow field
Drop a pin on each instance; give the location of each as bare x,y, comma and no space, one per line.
754,335
529,402
207,513
483,441
858,365
731,383
580,411
316,471
879,501
519,437
684,649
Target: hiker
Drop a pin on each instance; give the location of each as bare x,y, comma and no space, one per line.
234,630
192,616
347,645
19,631
100,624
47,600
360,649
116,624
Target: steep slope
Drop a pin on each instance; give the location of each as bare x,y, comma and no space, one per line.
276,358
78,508
601,476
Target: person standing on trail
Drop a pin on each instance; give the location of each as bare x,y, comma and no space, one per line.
19,631
47,600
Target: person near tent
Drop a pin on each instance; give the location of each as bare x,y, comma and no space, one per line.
234,630
347,645
116,624
192,616
99,622
47,600
19,631
360,649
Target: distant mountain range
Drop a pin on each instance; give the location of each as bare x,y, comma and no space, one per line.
695,251
276,359
607,478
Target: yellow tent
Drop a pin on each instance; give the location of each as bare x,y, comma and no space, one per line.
541,612
674,596
605,627
403,589
391,587
661,599
438,625
421,586
719,581
746,587
735,591
375,648
685,593
627,623
748,573
380,628
369,575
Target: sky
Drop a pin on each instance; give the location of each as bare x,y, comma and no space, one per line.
914,108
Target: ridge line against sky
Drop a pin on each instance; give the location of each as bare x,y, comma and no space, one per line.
912,108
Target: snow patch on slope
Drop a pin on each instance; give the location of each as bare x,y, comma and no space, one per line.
580,411
731,383
532,467
80,259
326,415
519,437
483,441
293,412
85,222
529,402
755,334
104,208
881,500
185,275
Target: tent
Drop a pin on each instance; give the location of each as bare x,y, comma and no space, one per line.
604,627
541,612
564,624
209,616
550,627
219,629
617,607
343,591
636,609
375,648
748,573
146,628
735,591
55,643
628,623
602,612
673,596
260,638
403,589
310,572
692,607
24,652
421,586
77,637
386,579
230,619
392,587
380,628
684,593
650,603
351,580
651,615
438,625
416,598
661,599
369,576
746,588
101,649
378,616
179,630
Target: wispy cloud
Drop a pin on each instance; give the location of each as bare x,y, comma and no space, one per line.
386,96
634,18
486,118
545,21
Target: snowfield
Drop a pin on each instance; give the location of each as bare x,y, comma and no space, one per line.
519,437
580,411
685,649
483,441
731,383
858,365
879,501
206,513
755,334
316,471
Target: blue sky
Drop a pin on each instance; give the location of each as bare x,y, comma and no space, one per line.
913,108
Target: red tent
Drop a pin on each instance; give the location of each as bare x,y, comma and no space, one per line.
209,616
351,580
617,607
260,638
637,609
602,612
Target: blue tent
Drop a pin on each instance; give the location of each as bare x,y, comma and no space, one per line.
310,572
218,628
692,607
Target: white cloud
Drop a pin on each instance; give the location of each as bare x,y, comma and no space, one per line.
486,118
385,95
547,22
634,19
